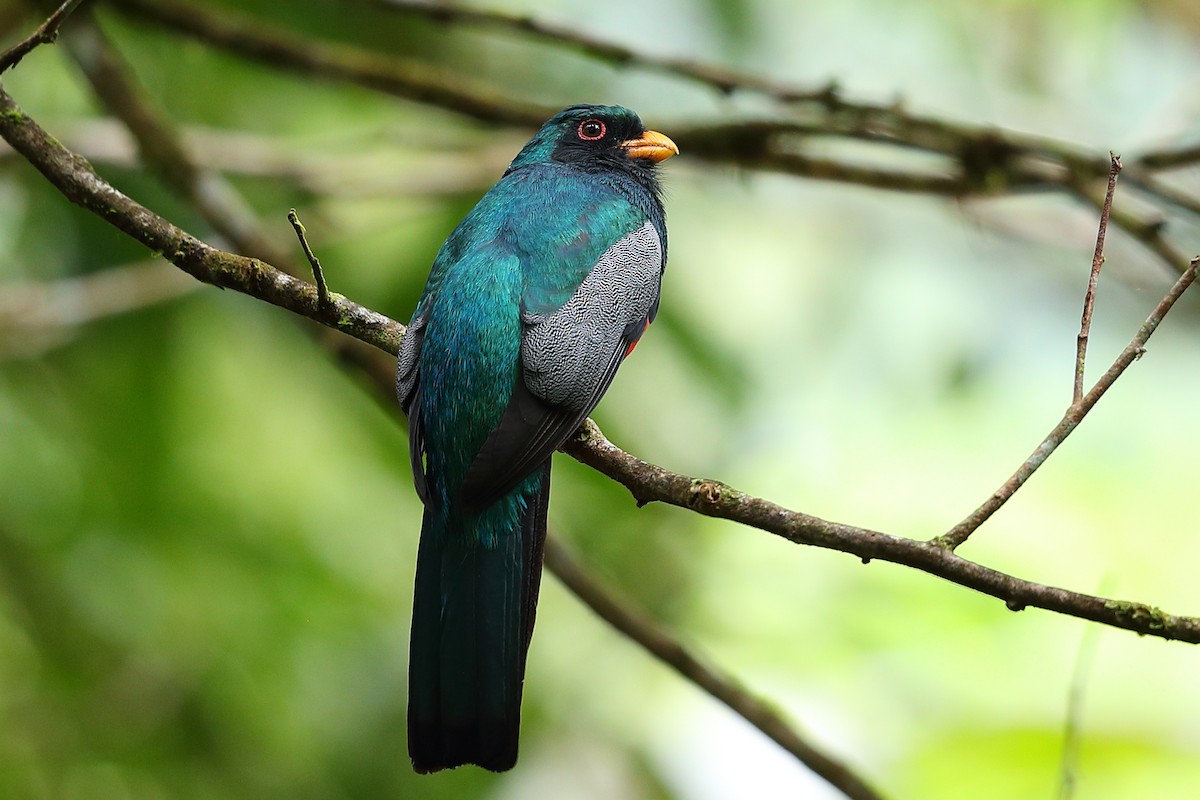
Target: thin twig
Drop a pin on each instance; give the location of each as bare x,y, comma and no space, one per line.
1089,298
1075,414
318,276
1073,725
46,33
660,643
1148,233
79,183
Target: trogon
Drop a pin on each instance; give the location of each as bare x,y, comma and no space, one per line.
532,304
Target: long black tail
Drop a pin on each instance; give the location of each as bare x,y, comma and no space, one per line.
473,612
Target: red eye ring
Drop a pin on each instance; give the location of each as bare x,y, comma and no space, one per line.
591,129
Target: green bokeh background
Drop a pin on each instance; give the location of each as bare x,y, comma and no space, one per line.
207,528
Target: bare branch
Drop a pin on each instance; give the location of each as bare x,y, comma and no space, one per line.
46,33
1075,414
1148,233
661,644
1089,298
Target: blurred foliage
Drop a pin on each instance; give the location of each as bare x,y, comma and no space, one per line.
207,530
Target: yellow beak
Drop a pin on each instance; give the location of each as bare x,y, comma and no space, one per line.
652,145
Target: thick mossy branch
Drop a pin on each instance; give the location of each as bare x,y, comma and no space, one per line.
650,483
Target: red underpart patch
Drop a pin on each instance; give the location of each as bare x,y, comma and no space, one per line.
634,343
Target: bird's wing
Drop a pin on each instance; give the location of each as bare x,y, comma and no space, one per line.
408,391
568,360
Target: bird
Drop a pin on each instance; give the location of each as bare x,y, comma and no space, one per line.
532,303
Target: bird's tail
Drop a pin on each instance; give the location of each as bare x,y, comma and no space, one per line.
473,613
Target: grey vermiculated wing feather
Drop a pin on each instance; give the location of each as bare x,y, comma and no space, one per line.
408,391
569,358
566,354
407,359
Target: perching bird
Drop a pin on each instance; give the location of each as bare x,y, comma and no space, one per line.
533,302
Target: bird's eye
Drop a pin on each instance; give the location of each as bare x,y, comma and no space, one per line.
590,130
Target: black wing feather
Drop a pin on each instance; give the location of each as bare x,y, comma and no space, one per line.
529,431
416,446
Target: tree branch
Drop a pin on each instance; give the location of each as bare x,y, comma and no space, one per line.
1148,233
1089,297
660,643
46,33
888,122
650,483
74,177
313,261
402,78
978,161
1075,414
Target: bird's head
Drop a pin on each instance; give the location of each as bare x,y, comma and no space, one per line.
597,138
